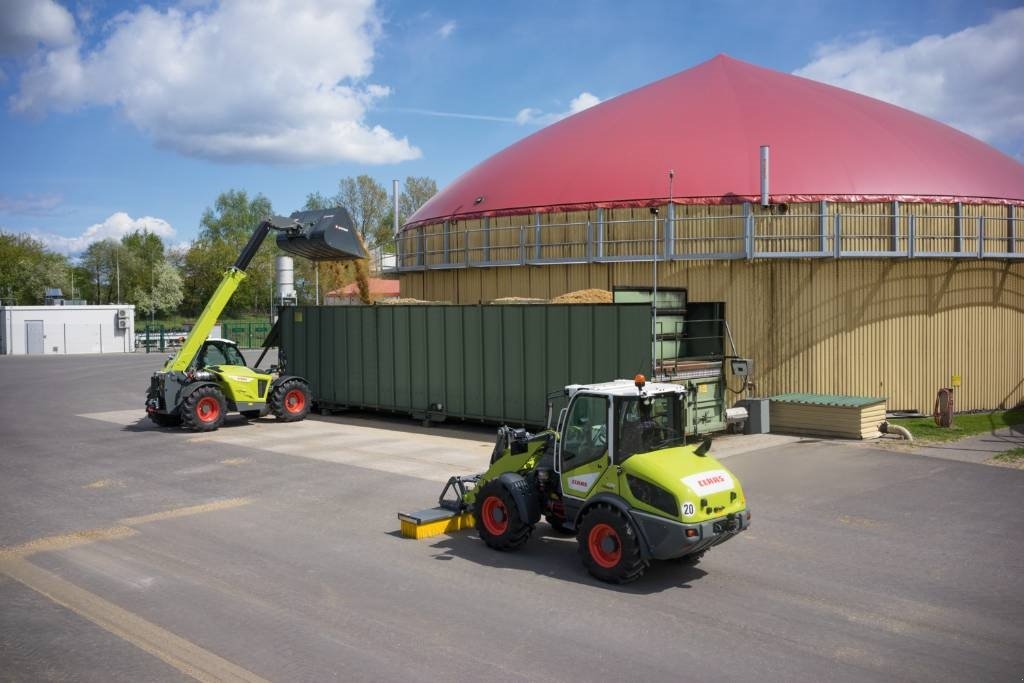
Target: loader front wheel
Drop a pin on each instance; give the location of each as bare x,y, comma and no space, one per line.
497,518
290,401
609,546
203,410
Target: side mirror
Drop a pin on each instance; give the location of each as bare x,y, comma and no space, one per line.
704,446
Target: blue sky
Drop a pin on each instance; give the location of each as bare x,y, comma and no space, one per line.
119,115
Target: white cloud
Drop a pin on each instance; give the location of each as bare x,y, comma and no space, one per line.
532,116
447,28
970,79
115,227
231,81
25,24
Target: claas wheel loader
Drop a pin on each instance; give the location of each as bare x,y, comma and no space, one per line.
207,378
616,472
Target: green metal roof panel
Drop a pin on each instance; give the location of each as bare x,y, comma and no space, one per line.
836,400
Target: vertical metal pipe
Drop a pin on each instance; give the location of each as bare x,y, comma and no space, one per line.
599,238
654,293
748,231
1011,228
316,278
765,151
394,206
981,237
837,235
537,252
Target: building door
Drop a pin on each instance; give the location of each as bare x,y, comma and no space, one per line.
34,336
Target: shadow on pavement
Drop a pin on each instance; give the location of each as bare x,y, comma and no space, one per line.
548,554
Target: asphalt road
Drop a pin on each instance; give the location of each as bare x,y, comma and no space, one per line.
271,551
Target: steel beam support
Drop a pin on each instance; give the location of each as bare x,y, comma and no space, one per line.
981,237
522,245
421,245
589,251
599,233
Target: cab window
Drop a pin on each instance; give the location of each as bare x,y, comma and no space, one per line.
220,354
646,423
586,431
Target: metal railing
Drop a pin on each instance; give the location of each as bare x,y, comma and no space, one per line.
822,234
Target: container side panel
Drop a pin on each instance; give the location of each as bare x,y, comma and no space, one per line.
454,360
493,353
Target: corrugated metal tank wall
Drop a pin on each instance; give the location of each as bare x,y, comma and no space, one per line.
894,327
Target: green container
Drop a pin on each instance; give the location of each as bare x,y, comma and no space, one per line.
486,363
705,405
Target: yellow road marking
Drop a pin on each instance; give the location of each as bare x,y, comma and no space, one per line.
65,541
182,654
234,461
186,511
104,483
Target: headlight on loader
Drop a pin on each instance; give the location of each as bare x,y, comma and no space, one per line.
653,495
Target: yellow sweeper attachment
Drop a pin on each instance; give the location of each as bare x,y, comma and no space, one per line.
450,514
434,522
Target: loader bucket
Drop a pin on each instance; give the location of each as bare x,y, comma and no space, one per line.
323,235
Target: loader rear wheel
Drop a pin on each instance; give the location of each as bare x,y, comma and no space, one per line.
609,546
497,518
165,419
203,410
290,401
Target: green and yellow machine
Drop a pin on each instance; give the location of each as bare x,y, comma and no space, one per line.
207,378
616,472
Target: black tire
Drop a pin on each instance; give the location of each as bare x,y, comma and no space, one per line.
165,419
609,546
290,400
497,518
250,414
557,525
203,410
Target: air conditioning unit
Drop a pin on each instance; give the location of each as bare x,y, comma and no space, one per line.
122,324
122,313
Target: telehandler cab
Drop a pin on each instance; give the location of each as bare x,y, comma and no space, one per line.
206,378
616,472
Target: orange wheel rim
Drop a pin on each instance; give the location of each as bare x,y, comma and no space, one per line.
605,546
494,515
208,409
295,401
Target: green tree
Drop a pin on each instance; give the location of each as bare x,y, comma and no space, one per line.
415,193
164,293
27,268
367,202
101,260
224,230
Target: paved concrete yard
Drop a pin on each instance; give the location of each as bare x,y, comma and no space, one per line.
270,551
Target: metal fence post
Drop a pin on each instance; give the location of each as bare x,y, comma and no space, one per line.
981,237
837,235
911,237
446,242
823,226
421,245
589,251
537,253
599,236
748,231
485,224
1011,229
670,230
958,229
522,245
894,230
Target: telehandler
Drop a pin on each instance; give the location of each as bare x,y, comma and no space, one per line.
206,378
616,472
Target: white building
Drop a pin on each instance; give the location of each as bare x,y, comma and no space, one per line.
67,329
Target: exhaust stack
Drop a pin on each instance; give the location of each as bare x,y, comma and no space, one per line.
764,175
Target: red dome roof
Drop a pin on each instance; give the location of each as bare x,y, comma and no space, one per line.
707,124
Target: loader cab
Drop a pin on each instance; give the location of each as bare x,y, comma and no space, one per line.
605,424
218,352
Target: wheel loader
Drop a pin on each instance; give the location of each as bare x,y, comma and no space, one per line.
616,472
207,378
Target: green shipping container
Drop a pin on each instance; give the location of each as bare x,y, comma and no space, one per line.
486,363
